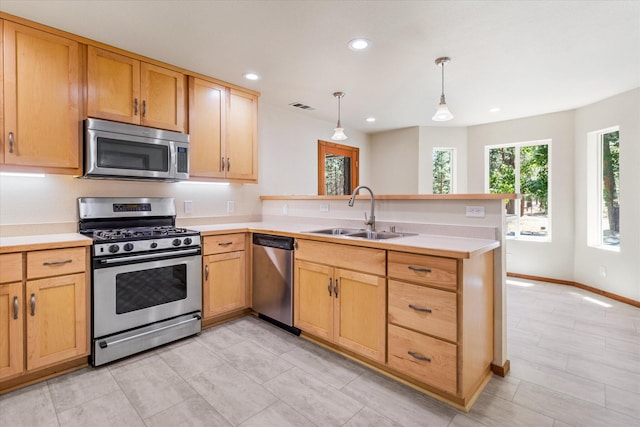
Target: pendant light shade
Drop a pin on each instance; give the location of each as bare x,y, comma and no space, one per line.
338,131
442,113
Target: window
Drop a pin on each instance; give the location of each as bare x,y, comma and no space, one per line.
337,168
522,168
604,189
443,171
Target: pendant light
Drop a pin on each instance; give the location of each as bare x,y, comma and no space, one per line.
339,131
442,114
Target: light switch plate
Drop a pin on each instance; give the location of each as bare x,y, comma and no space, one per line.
475,211
324,207
231,206
188,206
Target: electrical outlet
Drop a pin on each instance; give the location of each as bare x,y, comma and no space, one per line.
324,207
603,271
188,206
231,206
285,209
475,211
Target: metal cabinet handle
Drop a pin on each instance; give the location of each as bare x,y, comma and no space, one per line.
228,164
419,269
418,356
224,243
426,310
329,287
11,142
15,308
135,106
206,272
222,163
335,288
64,261
33,304
144,108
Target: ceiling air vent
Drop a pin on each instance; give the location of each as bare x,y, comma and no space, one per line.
301,106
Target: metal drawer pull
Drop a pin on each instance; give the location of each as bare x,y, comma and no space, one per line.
33,304
329,287
15,308
224,243
228,164
420,269
206,272
144,108
10,142
222,163
426,310
64,261
419,357
135,106
335,288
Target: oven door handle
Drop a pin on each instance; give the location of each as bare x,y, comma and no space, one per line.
105,343
149,256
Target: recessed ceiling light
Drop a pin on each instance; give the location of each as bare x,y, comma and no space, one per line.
494,109
251,76
358,44
370,119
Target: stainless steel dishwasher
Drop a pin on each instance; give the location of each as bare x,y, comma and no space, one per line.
273,280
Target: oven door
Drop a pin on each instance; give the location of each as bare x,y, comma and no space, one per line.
129,294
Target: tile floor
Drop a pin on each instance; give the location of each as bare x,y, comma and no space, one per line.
575,361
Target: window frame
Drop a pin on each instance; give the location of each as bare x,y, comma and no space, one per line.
595,190
454,158
517,162
326,147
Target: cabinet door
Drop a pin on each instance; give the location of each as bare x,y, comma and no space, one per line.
242,140
56,319
313,299
207,129
224,284
42,90
163,98
360,320
11,330
113,82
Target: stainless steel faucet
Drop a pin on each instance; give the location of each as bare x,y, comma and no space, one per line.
371,221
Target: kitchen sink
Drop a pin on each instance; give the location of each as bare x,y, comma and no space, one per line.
361,234
378,235
337,231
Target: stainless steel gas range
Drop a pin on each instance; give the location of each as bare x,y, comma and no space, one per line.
146,275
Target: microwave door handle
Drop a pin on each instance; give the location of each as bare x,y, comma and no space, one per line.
173,159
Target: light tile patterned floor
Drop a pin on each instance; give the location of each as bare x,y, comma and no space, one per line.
575,361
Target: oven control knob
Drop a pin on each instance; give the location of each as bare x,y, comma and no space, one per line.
114,248
154,245
188,241
176,242
128,247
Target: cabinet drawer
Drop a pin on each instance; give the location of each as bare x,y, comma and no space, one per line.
224,243
425,269
368,260
426,359
55,262
424,309
10,268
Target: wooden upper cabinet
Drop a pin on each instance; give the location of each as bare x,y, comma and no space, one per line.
242,144
41,100
207,128
127,90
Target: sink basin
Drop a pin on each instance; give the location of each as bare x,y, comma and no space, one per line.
379,235
337,231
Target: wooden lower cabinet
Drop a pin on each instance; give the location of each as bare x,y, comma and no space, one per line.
224,275
45,314
341,306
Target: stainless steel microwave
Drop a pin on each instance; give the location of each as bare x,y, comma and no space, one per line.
124,151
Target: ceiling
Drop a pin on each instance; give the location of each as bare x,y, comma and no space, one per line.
525,57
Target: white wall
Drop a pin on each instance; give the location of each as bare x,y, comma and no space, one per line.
623,268
552,259
442,137
395,162
288,150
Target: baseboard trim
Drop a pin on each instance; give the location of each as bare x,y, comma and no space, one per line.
503,370
578,285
